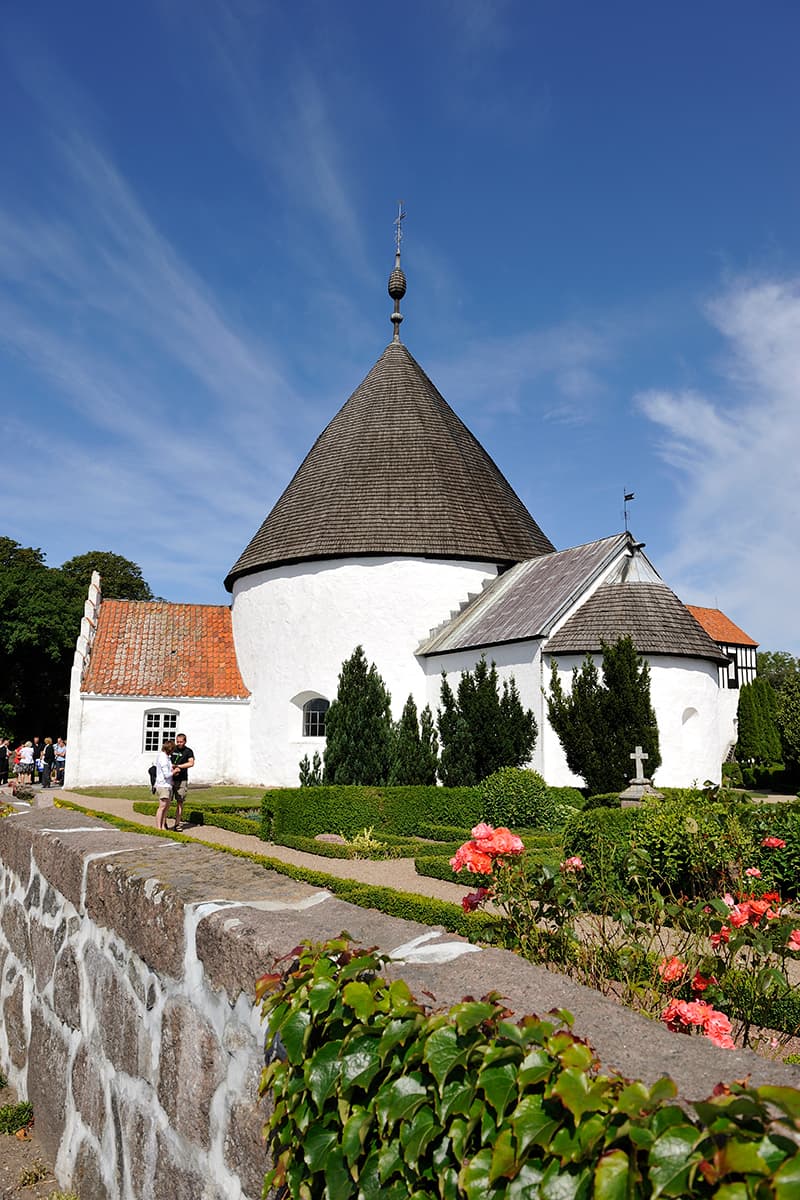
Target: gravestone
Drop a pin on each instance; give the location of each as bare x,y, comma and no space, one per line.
640,787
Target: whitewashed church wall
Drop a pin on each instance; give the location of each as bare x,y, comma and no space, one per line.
520,659
687,703
728,719
110,737
295,625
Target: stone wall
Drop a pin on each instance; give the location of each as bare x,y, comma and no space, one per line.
127,966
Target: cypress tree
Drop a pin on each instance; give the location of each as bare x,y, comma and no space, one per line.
359,731
748,745
480,730
429,747
519,727
599,725
407,766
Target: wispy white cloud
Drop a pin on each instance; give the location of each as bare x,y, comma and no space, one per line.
735,453
497,376
154,404
286,121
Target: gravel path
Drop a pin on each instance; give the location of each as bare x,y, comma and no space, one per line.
398,873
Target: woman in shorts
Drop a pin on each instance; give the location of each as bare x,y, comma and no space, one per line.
163,781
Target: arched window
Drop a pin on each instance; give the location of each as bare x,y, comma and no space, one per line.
314,717
159,723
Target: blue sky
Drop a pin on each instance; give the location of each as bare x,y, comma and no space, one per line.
602,250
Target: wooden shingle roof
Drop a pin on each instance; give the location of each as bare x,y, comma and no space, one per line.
526,601
720,627
151,648
395,472
649,613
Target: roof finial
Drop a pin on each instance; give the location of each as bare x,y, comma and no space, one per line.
397,280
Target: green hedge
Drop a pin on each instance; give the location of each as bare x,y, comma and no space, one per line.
603,800
688,843
305,812
477,927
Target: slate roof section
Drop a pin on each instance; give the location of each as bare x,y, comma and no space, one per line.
526,600
395,472
720,627
650,613
151,648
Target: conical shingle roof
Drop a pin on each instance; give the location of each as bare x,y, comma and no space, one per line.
649,613
395,472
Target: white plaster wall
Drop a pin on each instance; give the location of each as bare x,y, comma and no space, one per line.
728,719
520,659
106,739
295,625
691,743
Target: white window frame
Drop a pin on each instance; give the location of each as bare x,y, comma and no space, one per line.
158,724
311,709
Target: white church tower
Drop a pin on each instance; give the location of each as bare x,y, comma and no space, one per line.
396,515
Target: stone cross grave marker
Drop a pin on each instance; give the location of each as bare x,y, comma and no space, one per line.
640,758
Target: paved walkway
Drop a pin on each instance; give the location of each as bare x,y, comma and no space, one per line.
398,873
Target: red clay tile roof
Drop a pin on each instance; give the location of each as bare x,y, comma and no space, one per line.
151,648
720,627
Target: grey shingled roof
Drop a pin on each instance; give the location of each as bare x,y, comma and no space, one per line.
526,600
650,613
395,472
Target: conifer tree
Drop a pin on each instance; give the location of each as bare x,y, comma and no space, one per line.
429,746
480,731
359,731
599,725
409,764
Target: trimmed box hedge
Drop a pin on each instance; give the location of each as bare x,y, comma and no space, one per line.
305,812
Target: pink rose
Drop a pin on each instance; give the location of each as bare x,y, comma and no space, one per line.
794,940
573,863
753,872
482,831
723,936
773,843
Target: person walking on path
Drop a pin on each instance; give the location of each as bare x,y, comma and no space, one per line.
48,761
5,752
182,760
163,781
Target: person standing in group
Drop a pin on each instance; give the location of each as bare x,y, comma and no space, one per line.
37,760
48,762
182,760
5,751
26,767
61,758
163,781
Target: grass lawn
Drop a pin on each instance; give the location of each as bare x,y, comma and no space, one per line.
250,795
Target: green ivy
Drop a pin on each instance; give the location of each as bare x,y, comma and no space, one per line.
377,1098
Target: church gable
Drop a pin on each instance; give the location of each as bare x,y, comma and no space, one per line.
528,599
152,648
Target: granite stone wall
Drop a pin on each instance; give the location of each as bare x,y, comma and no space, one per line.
127,966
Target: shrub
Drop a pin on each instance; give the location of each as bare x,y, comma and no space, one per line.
515,797
732,774
388,1099
603,800
305,812
601,837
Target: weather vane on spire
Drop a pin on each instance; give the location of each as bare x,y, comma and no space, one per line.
397,280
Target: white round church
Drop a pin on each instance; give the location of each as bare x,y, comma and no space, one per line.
399,533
